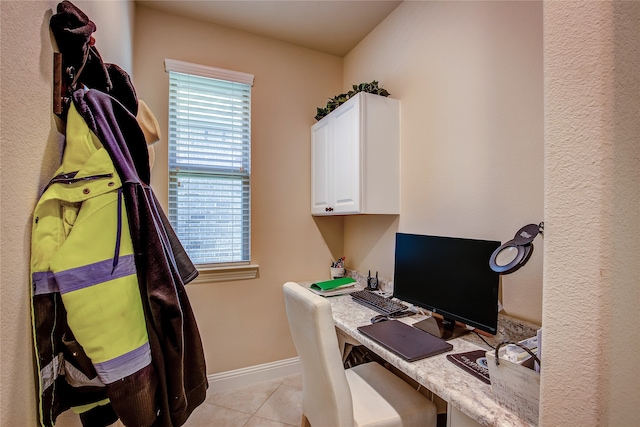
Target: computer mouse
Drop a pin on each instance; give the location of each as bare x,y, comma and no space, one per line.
379,318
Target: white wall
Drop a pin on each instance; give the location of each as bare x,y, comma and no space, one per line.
469,78
591,362
30,150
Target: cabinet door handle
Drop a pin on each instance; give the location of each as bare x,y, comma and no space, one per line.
328,209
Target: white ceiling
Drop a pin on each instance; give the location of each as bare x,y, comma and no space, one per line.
331,26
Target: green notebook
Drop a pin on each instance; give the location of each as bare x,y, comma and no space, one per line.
332,284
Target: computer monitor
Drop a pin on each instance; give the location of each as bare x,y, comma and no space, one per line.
450,277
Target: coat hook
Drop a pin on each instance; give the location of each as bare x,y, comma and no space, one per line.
57,83
63,84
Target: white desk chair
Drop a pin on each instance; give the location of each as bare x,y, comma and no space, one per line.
365,395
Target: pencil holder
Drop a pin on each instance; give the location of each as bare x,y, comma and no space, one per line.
337,272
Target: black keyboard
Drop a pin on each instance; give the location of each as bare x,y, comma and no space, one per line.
377,302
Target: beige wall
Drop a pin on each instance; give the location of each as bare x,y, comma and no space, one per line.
243,323
30,147
469,78
432,57
591,362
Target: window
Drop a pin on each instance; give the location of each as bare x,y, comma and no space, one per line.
210,161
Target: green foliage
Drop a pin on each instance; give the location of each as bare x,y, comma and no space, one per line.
338,100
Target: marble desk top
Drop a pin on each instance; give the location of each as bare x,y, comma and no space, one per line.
436,373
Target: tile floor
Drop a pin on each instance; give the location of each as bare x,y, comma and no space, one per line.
274,403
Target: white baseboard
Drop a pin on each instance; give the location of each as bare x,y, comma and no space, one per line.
253,374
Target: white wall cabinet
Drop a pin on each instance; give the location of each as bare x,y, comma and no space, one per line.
355,158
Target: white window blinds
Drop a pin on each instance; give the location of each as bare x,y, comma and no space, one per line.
210,161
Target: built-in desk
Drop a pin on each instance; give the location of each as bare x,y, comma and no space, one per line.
458,388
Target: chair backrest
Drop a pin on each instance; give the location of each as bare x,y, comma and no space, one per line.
326,394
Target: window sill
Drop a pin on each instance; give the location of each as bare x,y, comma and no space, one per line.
226,273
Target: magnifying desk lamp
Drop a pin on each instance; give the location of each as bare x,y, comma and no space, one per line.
515,253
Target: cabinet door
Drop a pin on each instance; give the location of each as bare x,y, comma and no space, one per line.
320,181
345,159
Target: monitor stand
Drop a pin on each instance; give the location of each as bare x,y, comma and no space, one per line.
441,328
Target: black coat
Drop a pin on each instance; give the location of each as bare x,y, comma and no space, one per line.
178,381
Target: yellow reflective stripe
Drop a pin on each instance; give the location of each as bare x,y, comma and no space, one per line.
84,408
107,319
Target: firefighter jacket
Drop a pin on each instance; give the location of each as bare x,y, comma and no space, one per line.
113,327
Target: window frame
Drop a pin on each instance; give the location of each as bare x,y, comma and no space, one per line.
222,271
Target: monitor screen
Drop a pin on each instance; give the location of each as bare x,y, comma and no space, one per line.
449,276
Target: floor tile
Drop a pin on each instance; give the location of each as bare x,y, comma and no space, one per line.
273,403
245,399
293,380
263,422
207,415
277,380
284,405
